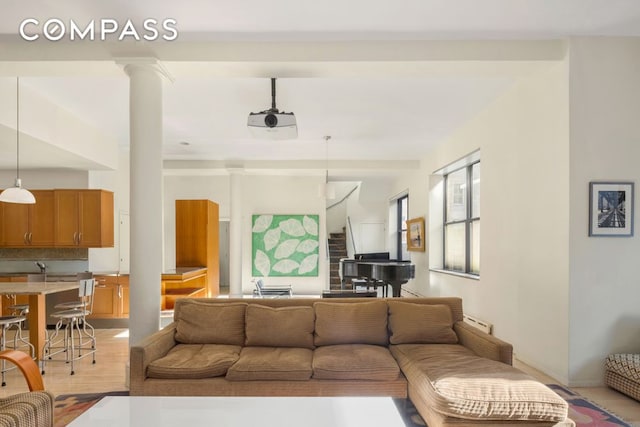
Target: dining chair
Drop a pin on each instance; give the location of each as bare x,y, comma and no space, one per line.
30,409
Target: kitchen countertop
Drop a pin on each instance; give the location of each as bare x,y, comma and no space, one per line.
179,271
182,273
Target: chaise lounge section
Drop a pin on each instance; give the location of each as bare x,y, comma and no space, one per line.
417,348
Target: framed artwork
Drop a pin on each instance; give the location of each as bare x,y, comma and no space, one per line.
415,234
284,245
611,209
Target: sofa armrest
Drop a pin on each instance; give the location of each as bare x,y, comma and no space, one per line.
483,344
149,349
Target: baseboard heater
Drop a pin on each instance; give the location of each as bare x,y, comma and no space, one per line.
477,323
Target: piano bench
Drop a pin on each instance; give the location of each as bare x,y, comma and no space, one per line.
349,294
368,284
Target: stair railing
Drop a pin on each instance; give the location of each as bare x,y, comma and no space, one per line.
350,227
343,199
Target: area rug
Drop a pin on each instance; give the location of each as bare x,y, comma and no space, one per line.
68,407
584,413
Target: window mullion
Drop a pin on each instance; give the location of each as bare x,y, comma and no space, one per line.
467,234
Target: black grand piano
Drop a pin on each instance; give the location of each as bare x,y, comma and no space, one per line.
377,269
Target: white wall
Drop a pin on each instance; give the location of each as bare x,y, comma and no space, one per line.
42,121
368,211
260,195
605,145
523,286
283,195
44,179
337,215
108,259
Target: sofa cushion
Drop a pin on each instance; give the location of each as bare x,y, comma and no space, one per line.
626,365
459,384
205,323
354,362
279,327
272,363
351,323
195,361
420,323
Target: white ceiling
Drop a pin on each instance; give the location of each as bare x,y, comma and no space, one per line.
374,113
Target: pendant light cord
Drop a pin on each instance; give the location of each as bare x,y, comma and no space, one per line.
326,139
17,127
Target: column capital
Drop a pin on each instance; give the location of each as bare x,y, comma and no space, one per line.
130,64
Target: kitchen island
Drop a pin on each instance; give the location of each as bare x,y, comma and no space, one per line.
36,291
182,282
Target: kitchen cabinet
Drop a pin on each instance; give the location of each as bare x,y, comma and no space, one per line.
25,225
8,300
182,283
197,240
111,297
83,218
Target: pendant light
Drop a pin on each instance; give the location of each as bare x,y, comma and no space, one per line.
17,194
327,190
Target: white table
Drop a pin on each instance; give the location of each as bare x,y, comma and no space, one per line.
200,411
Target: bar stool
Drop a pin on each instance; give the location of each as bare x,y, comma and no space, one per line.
6,323
73,322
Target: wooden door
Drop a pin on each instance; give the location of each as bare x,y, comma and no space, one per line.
41,219
2,224
66,203
15,224
191,233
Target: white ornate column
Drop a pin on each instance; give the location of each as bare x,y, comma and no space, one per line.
235,232
145,209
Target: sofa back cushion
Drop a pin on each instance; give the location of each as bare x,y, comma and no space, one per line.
202,323
279,327
345,323
420,323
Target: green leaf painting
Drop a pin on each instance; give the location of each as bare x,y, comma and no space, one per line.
285,245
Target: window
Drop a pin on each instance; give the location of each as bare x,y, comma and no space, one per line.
403,210
462,219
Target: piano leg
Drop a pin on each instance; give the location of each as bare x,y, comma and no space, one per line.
396,287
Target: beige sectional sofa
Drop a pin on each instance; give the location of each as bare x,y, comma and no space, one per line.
418,348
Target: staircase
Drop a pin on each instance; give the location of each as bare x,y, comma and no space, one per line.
337,250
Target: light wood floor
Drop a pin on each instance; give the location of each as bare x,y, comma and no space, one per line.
108,374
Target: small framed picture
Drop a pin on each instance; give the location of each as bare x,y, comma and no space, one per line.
611,209
415,234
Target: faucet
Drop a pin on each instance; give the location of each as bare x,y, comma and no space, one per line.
42,266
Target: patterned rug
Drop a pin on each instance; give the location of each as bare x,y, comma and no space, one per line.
583,412
68,407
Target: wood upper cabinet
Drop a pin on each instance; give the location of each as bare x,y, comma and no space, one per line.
197,239
29,225
83,218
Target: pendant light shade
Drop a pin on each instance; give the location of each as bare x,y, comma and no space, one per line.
17,194
327,190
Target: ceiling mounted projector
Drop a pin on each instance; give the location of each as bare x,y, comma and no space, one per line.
271,123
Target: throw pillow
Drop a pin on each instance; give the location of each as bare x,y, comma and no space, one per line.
200,322
411,323
279,327
351,323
